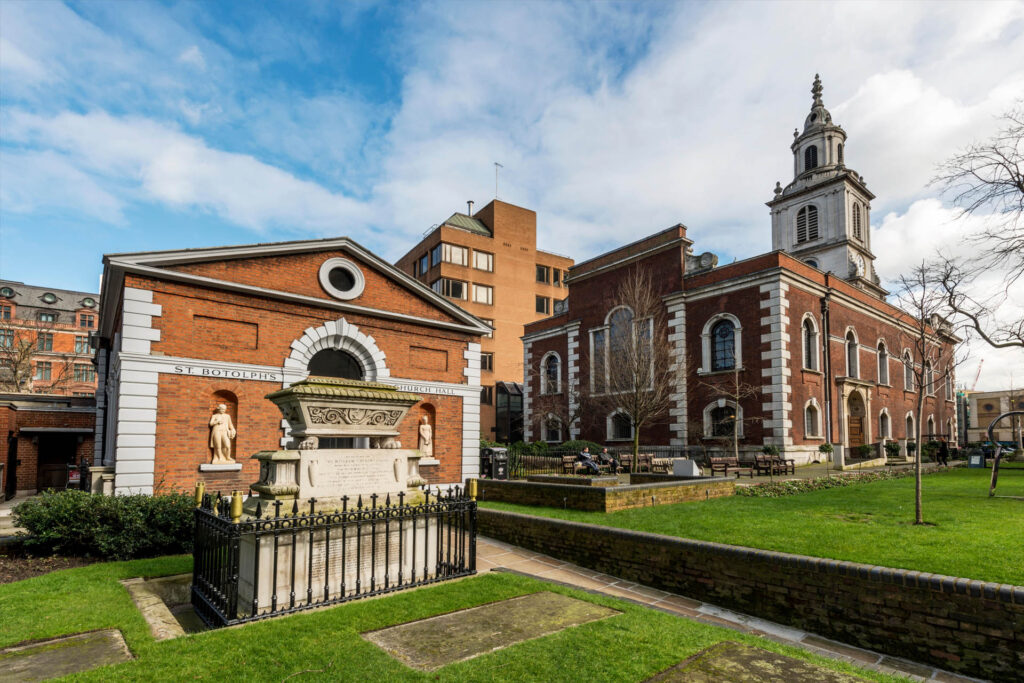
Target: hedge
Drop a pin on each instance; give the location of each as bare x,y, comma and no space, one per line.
110,527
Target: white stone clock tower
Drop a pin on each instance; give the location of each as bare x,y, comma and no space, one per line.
823,216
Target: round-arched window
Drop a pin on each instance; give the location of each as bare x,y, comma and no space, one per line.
342,278
723,346
335,363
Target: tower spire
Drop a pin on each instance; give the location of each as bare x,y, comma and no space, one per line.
816,91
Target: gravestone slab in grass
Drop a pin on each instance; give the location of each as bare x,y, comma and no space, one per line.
730,661
429,644
62,656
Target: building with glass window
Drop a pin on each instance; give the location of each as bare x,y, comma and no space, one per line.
793,349
190,333
983,407
44,340
488,263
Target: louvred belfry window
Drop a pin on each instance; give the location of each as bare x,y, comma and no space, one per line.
807,224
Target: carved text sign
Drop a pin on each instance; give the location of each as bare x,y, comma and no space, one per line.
228,373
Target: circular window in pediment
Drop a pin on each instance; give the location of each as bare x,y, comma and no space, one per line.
342,278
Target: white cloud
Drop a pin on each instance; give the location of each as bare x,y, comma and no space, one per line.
151,161
39,182
193,56
904,239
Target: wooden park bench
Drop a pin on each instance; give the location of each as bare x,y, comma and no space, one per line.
765,464
724,466
570,466
784,465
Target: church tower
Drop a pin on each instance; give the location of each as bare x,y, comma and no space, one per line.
822,217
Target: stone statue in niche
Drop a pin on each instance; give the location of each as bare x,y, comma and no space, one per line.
222,432
426,438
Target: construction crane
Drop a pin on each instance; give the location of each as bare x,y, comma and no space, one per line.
977,374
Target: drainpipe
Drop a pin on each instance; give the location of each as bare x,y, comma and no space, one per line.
827,355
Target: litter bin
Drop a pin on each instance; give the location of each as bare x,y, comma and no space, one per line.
499,464
494,463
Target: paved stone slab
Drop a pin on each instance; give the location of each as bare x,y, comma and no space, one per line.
429,644
62,656
731,661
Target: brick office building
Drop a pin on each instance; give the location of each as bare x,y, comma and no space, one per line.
186,331
53,327
806,327
489,264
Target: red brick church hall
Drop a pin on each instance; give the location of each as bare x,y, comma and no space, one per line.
807,324
184,332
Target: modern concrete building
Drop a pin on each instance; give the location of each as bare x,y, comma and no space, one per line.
488,263
985,406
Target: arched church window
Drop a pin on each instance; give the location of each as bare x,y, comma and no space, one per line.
335,363
807,224
810,345
840,152
723,346
856,221
811,157
811,420
908,373
883,364
552,374
851,355
723,420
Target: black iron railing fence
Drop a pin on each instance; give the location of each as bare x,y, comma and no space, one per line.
524,461
301,558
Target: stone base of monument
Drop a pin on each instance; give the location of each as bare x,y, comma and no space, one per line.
304,566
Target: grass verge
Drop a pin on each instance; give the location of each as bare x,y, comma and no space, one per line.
326,645
973,536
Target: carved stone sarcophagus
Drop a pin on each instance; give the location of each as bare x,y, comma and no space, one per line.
333,407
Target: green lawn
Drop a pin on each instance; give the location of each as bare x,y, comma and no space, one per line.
326,645
973,535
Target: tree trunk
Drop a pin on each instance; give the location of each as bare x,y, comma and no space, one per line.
918,512
636,448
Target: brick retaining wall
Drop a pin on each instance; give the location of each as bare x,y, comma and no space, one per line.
972,627
603,499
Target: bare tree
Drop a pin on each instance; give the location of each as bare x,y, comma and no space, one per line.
930,339
731,389
557,399
985,316
636,373
20,354
988,178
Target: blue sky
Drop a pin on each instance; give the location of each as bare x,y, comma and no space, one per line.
129,126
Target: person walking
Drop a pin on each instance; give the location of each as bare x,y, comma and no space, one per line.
943,455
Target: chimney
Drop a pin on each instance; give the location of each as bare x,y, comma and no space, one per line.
469,207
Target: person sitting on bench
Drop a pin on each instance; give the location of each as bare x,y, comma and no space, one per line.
584,459
606,458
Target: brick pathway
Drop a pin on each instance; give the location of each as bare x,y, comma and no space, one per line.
497,556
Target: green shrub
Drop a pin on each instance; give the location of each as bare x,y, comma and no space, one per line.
863,451
770,450
788,488
114,527
911,447
579,444
892,449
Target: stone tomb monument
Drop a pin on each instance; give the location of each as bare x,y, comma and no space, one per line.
343,449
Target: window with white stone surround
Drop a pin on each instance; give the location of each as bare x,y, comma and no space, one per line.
884,429
551,374
812,419
721,344
883,363
809,332
619,426
852,354
720,417
908,372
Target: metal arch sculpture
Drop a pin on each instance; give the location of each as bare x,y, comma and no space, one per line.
999,449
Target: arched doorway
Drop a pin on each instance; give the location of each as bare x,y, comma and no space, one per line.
855,420
335,363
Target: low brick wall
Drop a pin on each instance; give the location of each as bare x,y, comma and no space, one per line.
604,499
971,627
